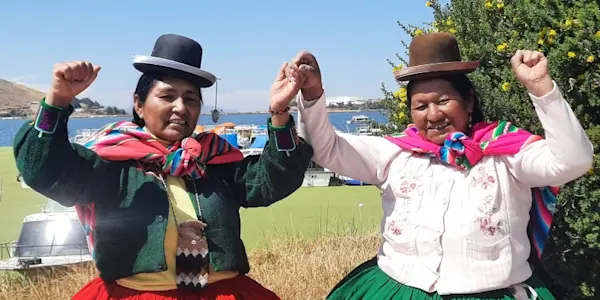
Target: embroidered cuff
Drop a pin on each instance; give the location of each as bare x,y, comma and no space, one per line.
49,117
286,137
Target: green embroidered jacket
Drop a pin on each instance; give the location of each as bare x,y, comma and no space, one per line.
132,207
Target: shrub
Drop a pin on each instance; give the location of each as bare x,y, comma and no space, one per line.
568,33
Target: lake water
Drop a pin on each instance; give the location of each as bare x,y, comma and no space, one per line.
8,128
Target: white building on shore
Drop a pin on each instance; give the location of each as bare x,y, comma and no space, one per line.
344,100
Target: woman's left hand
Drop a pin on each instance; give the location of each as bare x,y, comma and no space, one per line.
531,68
287,84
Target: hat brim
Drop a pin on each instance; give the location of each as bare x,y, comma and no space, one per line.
435,70
161,66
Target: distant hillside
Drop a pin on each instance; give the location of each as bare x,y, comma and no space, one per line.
20,101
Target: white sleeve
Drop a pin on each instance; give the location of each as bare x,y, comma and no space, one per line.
564,155
365,158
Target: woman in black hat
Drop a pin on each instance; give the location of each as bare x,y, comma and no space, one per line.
160,205
467,204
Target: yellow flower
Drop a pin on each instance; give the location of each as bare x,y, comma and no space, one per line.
397,68
571,54
488,5
597,34
401,93
449,22
401,115
452,30
501,47
591,171
540,42
550,41
568,23
590,59
506,86
428,3
418,32
500,5
541,50
552,32
581,77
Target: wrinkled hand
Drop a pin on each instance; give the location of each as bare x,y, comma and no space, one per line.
69,80
286,86
313,86
531,69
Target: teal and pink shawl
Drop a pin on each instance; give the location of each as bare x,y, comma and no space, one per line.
124,140
497,138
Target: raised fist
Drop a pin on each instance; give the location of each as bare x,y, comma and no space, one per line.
531,69
313,86
69,80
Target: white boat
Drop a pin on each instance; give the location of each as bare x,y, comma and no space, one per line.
366,130
47,240
315,174
82,135
358,119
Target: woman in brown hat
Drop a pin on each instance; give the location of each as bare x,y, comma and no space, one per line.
160,205
457,192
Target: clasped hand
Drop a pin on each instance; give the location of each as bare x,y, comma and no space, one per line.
301,74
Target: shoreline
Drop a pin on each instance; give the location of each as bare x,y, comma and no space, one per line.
87,116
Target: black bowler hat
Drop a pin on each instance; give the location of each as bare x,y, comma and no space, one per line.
177,56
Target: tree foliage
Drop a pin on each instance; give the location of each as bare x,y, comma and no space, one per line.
568,33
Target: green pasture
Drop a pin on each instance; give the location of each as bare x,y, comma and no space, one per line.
308,212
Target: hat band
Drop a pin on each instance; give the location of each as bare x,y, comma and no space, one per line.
163,62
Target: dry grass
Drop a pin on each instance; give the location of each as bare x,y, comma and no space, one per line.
294,267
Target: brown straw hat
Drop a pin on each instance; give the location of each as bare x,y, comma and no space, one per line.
433,55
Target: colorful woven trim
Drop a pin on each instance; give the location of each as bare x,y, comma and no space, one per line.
286,137
49,117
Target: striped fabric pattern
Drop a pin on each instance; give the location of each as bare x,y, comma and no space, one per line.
497,138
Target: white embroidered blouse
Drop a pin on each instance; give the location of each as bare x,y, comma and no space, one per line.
446,230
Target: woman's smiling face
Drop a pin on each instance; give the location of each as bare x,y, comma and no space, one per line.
171,109
438,109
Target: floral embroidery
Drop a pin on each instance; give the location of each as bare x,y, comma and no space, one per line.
393,227
410,185
487,226
487,216
483,179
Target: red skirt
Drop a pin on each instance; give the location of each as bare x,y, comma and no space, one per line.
238,288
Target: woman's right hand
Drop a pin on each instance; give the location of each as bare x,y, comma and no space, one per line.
313,86
69,80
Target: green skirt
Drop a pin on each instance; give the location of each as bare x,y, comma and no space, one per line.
368,281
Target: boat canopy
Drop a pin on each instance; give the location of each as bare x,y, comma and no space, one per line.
260,141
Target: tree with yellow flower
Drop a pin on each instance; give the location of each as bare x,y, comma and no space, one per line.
568,33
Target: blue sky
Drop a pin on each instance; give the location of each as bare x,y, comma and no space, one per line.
244,42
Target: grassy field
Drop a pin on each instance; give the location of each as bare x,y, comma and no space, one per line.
15,202
308,212
316,234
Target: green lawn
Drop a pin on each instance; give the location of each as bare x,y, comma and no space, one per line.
15,202
312,211
308,212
